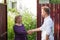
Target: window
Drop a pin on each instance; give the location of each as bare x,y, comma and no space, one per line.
14,4
43,1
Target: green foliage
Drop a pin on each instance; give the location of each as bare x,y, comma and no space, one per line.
10,28
55,1
27,20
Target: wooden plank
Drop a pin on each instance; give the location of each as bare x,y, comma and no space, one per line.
3,22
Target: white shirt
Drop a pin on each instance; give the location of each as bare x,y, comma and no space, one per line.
47,29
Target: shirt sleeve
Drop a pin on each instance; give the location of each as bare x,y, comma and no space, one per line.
48,28
42,27
17,31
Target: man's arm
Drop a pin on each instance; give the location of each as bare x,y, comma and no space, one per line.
47,37
33,30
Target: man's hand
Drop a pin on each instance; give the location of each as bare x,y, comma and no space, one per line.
33,30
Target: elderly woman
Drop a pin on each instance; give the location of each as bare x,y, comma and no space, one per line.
19,30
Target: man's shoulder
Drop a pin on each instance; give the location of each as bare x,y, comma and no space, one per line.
49,21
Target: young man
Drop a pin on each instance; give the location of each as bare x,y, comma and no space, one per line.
47,27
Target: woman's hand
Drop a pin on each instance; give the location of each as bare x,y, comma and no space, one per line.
29,31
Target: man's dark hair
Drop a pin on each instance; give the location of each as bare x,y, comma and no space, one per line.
46,9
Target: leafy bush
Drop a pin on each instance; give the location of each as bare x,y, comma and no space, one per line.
28,22
55,1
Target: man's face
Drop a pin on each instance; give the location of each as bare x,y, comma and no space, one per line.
43,13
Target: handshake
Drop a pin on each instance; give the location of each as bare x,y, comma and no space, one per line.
33,30
30,31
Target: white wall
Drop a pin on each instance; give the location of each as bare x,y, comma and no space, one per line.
31,5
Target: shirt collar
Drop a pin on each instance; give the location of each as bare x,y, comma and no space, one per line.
46,18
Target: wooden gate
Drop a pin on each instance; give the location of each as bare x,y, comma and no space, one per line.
55,14
3,21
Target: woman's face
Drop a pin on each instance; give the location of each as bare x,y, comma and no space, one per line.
19,20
